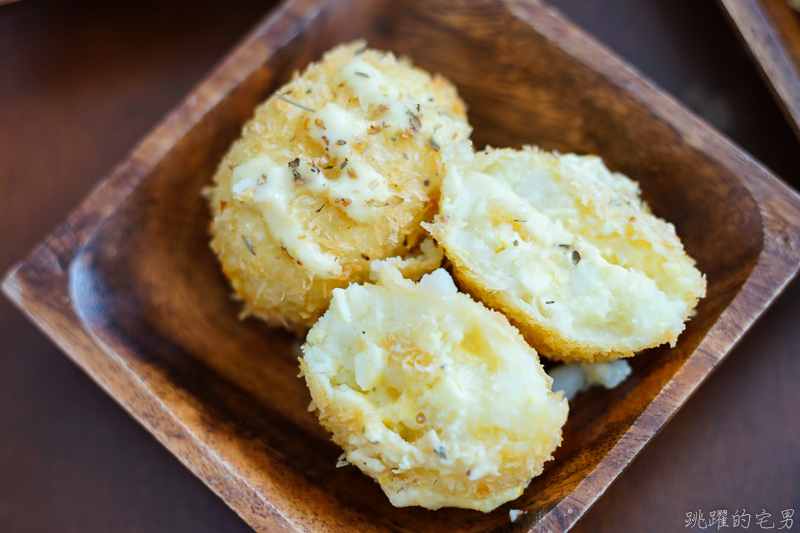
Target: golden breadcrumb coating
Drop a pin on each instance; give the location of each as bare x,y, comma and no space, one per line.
436,397
567,250
336,169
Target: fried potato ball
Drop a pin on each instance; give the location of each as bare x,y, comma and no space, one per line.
436,397
567,250
335,170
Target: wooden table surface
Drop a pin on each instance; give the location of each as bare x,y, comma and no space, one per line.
82,80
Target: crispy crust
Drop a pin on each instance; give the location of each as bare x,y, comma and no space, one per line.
641,242
273,284
362,425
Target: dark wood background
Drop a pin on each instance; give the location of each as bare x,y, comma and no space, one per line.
82,80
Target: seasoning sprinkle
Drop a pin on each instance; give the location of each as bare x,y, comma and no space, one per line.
374,184
309,91
519,220
393,201
550,302
296,175
352,174
366,258
439,451
362,74
343,165
295,163
367,150
426,182
576,257
394,139
341,142
567,246
301,106
433,144
321,208
328,167
373,130
414,121
250,245
405,156
516,243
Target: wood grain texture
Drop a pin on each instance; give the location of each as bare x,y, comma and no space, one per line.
771,30
158,332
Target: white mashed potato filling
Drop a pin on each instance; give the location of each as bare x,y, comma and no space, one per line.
436,397
567,249
572,378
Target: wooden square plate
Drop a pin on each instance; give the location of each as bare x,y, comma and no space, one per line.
129,289
771,30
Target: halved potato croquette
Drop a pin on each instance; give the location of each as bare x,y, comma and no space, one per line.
567,250
436,397
335,170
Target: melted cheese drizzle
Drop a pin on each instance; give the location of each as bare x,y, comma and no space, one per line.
355,186
365,188
375,90
357,189
339,125
260,180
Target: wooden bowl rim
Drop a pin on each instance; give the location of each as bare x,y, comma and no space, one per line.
768,48
48,306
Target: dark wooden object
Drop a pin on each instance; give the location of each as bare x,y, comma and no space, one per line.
771,29
129,289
